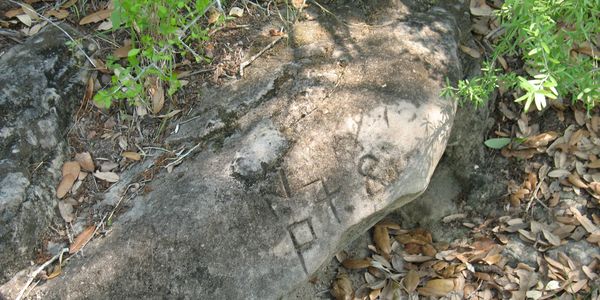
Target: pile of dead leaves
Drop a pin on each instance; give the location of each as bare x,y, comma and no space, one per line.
409,264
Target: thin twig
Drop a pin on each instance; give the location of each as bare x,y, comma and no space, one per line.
213,31
38,270
63,31
255,56
534,195
181,157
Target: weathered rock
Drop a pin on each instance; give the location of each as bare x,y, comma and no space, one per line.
40,83
310,153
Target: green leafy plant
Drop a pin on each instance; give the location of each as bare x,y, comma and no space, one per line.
497,143
161,31
555,39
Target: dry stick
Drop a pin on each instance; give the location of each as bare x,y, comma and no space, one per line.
180,158
255,56
38,270
534,196
63,31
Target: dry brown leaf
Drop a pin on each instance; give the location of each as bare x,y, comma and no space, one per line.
107,176
65,185
382,240
157,94
342,288
428,250
131,155
69,3
356,263
558,173
101,66
550,237
82,239
503,63
594,238
579,117
55,272
541,139
437,288
85,161
89,90
57,13
30,11
72,168
594,164
563,231
595,123
470,51
576,181
390,225
573,288
411,281
577,136
14,12
522,154
66,210
584,221
106,25
595,187
416,258
96,16
123,51
480,8
589,272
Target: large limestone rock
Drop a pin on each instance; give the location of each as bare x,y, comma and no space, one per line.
315,145
40,83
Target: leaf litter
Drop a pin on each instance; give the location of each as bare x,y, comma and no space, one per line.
560,174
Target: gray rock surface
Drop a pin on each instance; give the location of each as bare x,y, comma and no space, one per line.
311,149
40,82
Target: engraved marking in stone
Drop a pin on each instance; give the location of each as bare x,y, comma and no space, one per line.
329,198
284,184
385,117
366,166
303,236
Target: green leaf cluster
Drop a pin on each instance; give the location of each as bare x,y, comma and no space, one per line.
546,34
161,31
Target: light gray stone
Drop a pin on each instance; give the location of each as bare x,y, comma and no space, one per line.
40,82
316,147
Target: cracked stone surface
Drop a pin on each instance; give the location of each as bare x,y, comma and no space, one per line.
40,82
318,142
